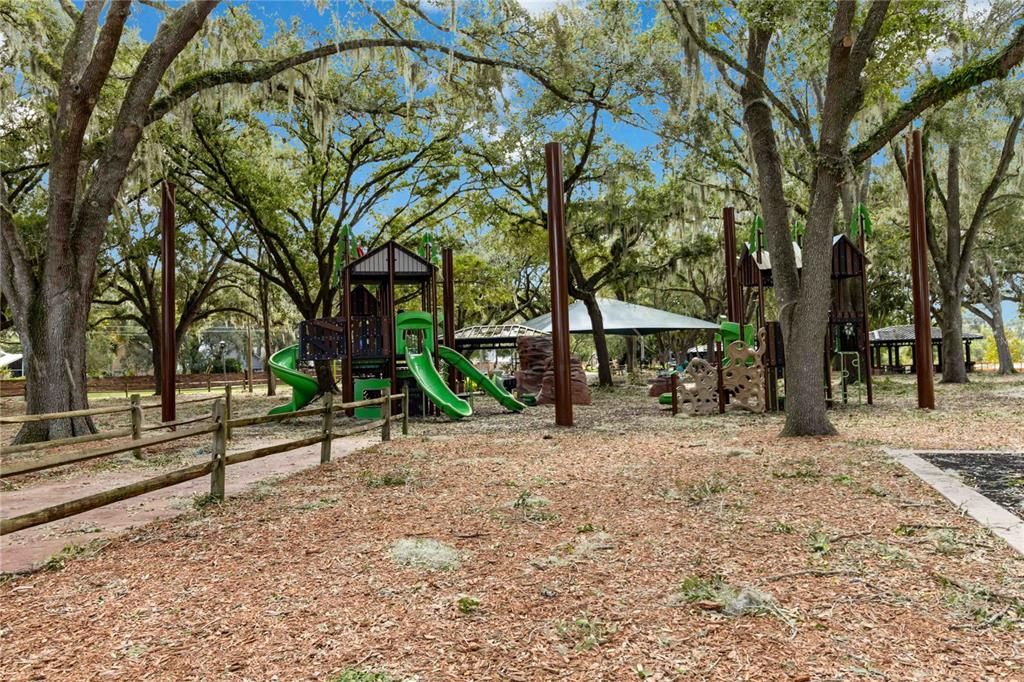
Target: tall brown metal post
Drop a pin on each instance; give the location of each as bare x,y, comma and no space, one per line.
168,356
865,317
392,350
433,303
347,382
448,286
559,275
734,298
919,273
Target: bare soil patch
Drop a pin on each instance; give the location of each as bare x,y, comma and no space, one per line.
634,546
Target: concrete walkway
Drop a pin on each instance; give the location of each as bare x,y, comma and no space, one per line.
27,549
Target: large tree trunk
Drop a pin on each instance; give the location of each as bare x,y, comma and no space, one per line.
954,367
604,363
803,300
53,340
1002,345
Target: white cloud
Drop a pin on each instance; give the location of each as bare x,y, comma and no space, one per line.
538,8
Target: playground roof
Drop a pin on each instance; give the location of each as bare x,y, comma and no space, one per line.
765,261
623,318
904,334
373,266
489,336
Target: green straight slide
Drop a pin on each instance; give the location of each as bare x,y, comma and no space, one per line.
422,367
304,389
498,392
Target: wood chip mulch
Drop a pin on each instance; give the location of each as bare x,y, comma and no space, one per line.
577,545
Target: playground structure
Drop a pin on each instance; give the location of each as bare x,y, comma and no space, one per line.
381,348
847,340
744,362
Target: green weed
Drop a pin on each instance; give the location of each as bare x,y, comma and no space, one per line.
586,632
468,605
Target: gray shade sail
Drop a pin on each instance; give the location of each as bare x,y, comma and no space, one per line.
622,318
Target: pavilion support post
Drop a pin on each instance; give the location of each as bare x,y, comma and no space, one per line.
168,356
559,275
919,275
448,275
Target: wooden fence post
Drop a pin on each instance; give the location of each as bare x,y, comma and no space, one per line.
136,424
405,410
675,393
209,383
385,430
325,444
227,411
220,446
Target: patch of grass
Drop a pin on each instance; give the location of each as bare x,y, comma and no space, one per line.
586,632
467,605
731,600
803,472
704,490
945,541
533,508
322,503
425,553
264,488
388,479
892,554
73,551
359,675
204,501
819,542
842,479
982,606
698,588
782,528
586,528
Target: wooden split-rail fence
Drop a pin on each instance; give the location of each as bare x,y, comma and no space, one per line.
218,423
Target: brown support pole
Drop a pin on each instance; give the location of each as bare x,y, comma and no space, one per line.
248,356
559,275
869,360
432,295
347,385
168,357
734,298
919,273
720,379
448,286
392,351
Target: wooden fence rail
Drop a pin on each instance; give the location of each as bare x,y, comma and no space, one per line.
135,409
216,467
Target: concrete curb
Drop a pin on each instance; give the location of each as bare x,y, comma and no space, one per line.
983,510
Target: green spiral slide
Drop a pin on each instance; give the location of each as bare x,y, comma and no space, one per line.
304,388
422,367
498,392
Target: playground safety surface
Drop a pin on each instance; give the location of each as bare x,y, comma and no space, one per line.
601,552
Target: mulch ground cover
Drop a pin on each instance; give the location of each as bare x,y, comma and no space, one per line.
634,546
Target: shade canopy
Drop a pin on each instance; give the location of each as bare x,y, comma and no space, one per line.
622,318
